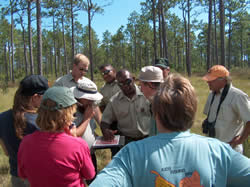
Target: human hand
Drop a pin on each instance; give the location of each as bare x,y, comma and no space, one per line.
89,113
235,141
108,134
71,130
193,181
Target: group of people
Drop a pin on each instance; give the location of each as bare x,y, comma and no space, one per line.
49,132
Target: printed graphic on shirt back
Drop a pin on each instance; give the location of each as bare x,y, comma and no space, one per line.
193,181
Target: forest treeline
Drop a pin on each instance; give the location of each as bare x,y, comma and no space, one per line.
190,44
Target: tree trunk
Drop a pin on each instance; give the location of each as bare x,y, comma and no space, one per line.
72,30
24,48
188,42
39,37
90,42
229,38
12,44
215,35
6,64
222,32
164,33
209,34
160,29
66,67
154,27
30,39
135,47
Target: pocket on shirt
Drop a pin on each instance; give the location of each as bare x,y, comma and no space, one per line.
226,113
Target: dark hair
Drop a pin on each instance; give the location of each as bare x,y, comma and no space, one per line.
175,103
21,105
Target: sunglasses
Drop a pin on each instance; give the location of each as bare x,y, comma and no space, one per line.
127,82
106,72
82,69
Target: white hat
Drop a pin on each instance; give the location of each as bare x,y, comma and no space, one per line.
151,74
87,90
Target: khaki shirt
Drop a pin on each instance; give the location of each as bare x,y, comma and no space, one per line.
68,81
133,115
233,114
108,90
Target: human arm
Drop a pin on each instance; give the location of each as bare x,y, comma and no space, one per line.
108,134
241,138
98,114
3,147
116,173
87,116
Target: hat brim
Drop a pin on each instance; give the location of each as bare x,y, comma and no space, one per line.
89,96
143,80
209,77
161,66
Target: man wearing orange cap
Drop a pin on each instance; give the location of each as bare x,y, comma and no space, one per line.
227,109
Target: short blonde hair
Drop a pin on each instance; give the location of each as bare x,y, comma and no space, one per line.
80,58
55,120
175,103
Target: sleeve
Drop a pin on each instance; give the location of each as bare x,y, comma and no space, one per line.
116,173
58,82
242,107
87,170
239,171
108,115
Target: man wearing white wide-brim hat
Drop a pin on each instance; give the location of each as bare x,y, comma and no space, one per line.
86,94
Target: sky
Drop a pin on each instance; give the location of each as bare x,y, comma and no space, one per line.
113,17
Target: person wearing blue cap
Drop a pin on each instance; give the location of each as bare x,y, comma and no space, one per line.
52,156
20,120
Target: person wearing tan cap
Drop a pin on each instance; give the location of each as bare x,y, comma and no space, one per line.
227,109
150,80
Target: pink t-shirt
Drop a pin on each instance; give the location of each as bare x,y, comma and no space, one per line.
54,159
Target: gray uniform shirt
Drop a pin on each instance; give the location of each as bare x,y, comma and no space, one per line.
133,115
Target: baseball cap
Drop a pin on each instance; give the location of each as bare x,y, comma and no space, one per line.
162,63
215,72
62,96
34,84
151,74
87,90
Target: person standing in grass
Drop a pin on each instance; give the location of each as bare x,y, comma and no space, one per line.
163,64
227,109
150,80
19,121
175,157
52,156
110,87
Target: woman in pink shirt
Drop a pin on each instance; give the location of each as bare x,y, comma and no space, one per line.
52,156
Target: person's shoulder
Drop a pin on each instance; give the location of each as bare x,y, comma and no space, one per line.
63,79
117,96
237,91
6,114
76,141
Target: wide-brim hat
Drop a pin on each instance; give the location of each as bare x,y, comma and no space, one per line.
151,74
87,90
217,71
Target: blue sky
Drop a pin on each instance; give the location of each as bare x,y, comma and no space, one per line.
114,16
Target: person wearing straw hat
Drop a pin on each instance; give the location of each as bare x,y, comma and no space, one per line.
21,120
86,95
150,80
227,109
52,156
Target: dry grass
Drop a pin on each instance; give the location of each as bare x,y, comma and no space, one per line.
241,80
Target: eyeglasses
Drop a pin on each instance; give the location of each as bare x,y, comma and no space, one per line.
82,69
106,72
127,82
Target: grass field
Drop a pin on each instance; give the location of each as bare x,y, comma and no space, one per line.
241,80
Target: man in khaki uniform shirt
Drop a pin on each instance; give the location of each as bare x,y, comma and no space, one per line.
110,87
129,108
